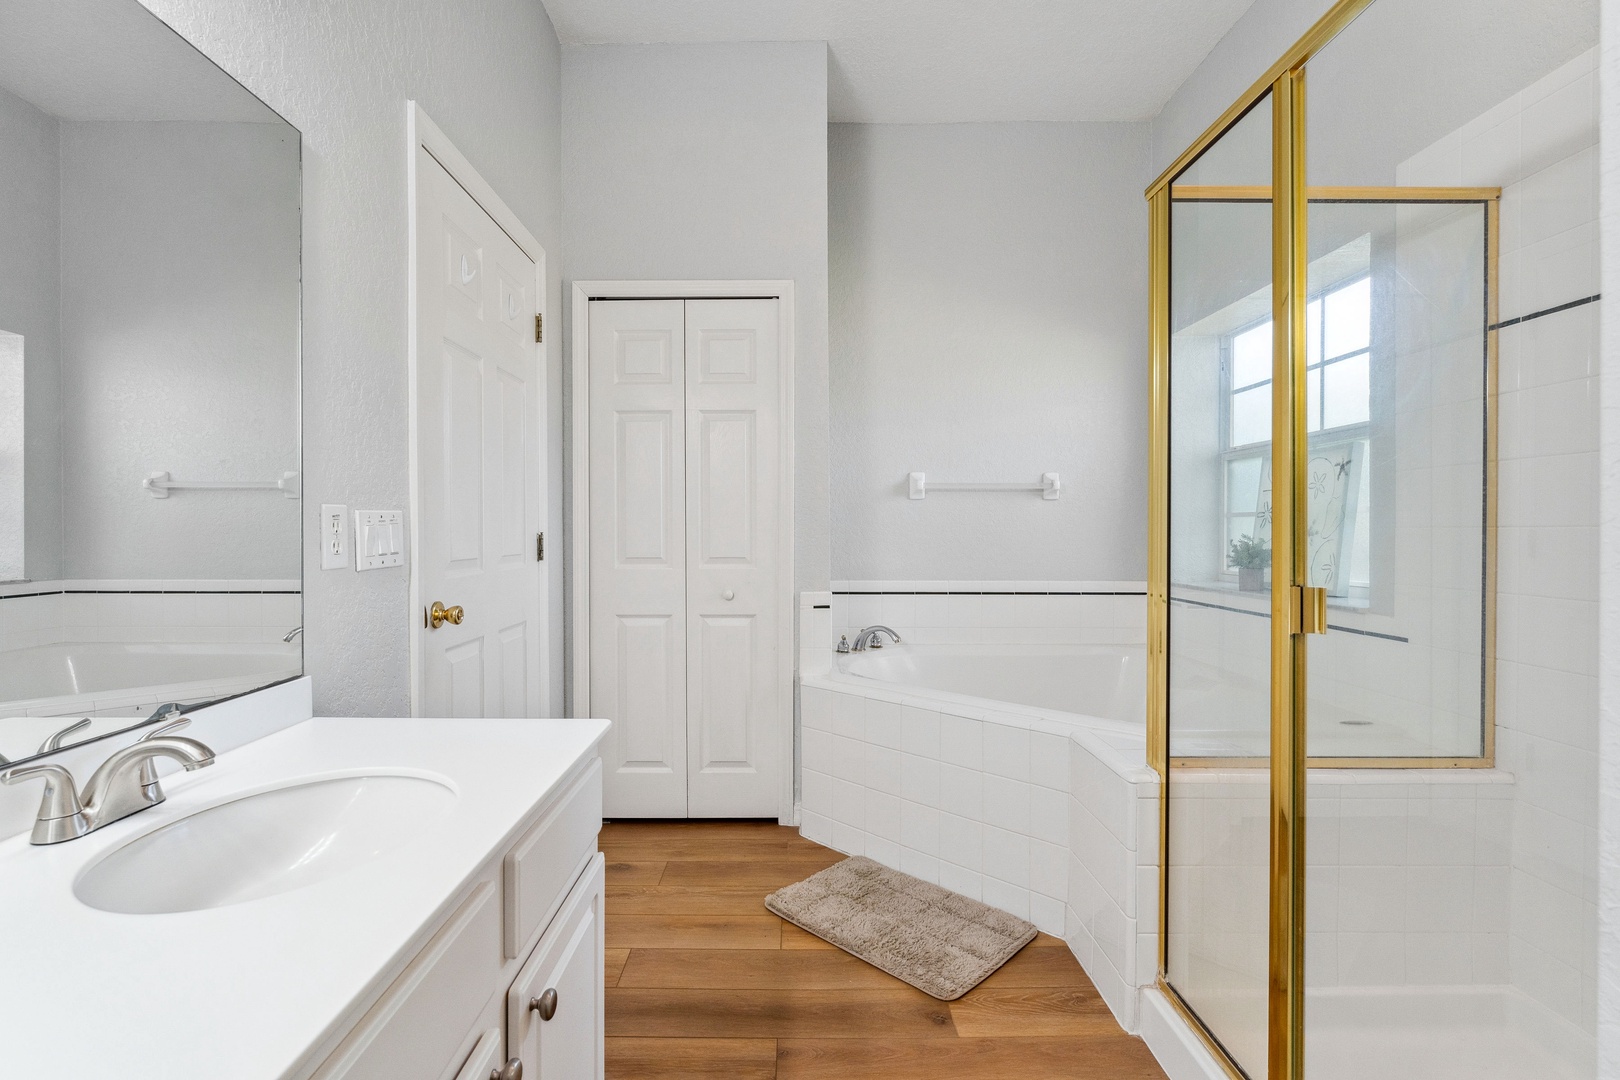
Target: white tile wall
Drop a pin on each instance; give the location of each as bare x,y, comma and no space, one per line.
984,612
1545,157
227,611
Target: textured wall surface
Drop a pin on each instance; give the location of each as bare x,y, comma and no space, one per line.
179,347
30,278
487,71
710,162
989,323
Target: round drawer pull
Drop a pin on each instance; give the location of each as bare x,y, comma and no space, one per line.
512,1070
545,1004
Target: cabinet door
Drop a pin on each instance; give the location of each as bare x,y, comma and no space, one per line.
565,971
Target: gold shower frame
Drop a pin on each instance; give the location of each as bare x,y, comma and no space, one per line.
1284,83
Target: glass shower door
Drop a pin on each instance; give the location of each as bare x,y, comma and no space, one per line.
1218,634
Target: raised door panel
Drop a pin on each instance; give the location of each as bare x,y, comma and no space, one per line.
739,713
638,552
566,968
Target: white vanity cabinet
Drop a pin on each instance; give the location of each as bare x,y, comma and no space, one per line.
512,974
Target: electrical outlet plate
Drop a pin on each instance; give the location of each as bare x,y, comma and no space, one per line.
379,539
334,536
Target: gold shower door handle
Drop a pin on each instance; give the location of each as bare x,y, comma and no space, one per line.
1310,610
437,615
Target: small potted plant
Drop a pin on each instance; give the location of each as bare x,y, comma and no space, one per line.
1251,557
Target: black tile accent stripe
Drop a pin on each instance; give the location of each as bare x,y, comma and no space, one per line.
1267,615
820,607
971,592
1594,298
155,592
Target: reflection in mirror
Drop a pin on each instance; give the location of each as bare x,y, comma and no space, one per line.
149,373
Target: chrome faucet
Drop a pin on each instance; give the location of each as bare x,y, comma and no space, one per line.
294,632
869,638
126,784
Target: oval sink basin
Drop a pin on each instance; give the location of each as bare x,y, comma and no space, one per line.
263,844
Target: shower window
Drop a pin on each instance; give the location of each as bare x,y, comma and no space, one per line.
1338,392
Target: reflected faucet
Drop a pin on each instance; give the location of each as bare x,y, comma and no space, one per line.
55,741
294,632
869,638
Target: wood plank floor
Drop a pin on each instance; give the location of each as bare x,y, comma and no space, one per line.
703,982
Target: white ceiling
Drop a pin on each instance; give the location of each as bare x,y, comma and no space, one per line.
113,60
949,61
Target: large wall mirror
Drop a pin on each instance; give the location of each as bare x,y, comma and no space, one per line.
149,377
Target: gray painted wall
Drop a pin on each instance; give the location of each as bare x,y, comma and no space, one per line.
30,280
710,162
989,323
179,347
488,73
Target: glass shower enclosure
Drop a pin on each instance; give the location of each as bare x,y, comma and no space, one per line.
1327,316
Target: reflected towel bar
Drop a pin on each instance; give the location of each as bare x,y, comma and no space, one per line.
159,484
918,486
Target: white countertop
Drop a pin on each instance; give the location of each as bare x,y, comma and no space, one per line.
244,991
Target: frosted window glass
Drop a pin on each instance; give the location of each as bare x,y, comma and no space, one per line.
1251,416
1243,485
1346,392
1313,332
1251,356
1349,318
1313,399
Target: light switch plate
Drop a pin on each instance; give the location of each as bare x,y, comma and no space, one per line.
379,539
334,536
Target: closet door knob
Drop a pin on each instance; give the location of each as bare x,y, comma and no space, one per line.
728,595
545,1004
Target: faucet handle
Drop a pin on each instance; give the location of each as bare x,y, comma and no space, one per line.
61,814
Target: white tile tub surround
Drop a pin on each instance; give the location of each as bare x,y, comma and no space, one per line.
1541,145
993,612
237,611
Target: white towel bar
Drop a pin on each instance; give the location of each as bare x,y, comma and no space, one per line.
159,484
918,486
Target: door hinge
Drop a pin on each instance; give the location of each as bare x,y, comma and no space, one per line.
1310,610
539,547
539,327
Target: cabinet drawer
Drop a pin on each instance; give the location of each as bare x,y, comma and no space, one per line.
487,1057
554,1015
546,859
420,1022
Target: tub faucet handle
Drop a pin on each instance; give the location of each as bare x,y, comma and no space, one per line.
843,643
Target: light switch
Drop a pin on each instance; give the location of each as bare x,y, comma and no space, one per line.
379,539
334,536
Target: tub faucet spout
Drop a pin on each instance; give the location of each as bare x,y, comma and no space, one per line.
870,639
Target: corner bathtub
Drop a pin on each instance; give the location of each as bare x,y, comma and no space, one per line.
1096,686
105,677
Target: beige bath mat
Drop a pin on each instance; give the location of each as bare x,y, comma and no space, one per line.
938,941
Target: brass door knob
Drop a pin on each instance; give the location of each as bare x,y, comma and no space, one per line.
438,615
545,1004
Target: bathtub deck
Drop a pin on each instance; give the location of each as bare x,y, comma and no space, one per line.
702,981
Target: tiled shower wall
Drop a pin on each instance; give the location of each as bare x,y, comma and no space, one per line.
48,612
1541,147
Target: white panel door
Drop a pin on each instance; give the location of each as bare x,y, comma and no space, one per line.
478,387
638,552
734,701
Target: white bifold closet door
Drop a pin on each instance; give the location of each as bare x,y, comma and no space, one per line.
684,506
